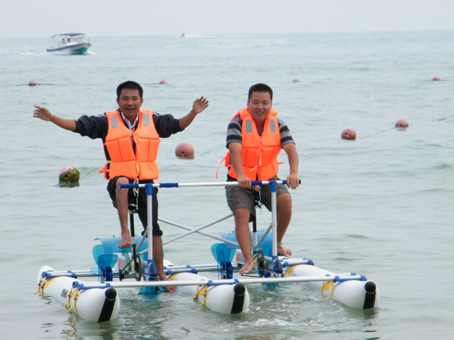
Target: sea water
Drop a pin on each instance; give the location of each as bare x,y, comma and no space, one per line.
381,206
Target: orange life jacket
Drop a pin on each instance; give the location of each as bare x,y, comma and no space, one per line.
121,158
258,153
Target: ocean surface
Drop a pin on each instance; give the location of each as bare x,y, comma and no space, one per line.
382,205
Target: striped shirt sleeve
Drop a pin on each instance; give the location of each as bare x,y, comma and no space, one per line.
286,137
234,132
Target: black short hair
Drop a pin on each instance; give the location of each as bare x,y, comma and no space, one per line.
260,88
132,85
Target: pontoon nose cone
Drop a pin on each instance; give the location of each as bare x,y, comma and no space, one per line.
238,300
109,304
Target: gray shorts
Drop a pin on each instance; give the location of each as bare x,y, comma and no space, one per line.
243,198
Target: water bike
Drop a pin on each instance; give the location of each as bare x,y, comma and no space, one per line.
98,300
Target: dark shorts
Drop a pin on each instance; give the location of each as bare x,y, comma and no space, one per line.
140,201
243,198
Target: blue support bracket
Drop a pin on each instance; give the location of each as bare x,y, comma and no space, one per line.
107,274
275,266
225,270
150,271
149,189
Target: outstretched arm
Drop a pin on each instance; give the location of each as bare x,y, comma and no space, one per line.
44,114
293,178
198,106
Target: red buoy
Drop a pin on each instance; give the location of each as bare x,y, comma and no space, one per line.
348,134
436,78
296,80
163,82
402,123
184,150
32,82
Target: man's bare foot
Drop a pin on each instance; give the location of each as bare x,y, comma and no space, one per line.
283,251
247,267
125,242
170,289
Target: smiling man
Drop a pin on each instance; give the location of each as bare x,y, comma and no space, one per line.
131,139
255,137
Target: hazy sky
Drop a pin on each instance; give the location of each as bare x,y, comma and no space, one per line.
42,18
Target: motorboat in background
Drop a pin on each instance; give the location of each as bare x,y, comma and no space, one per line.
69,43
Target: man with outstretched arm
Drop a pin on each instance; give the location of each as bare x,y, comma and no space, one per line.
255,136
131,139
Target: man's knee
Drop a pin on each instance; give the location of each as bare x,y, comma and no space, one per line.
121,180
284,201
242,215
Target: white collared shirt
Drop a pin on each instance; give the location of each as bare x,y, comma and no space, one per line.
128,123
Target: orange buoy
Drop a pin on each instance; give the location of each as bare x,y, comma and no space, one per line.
32,82
436,78
184,150
402,123
348,134
163,82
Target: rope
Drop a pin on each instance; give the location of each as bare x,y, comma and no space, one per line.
327,286
74,295
201,290
68,303
43,283
40,289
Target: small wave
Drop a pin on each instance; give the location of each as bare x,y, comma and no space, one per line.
357,236
444,118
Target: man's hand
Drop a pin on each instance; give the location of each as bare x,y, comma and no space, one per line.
199,105
293,181
244,181
42,113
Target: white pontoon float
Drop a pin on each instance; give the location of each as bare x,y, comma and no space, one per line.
134,268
